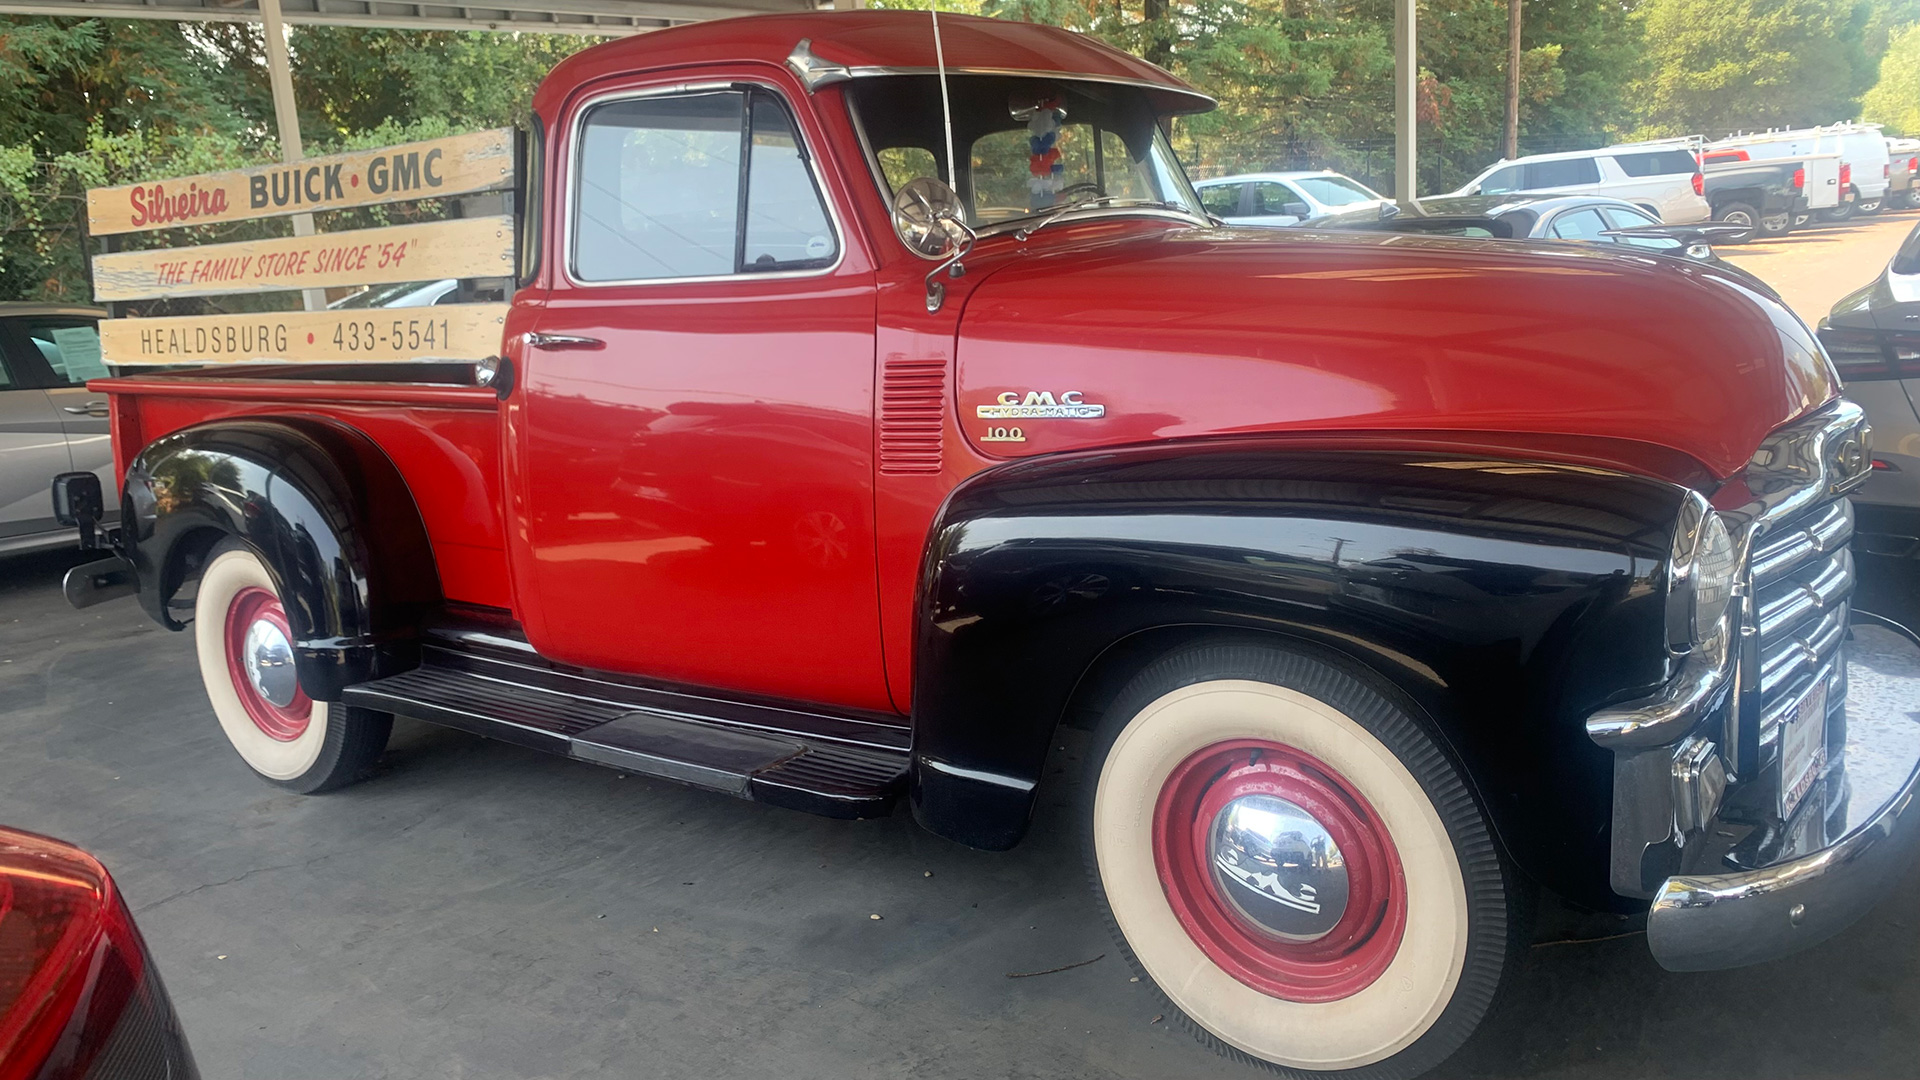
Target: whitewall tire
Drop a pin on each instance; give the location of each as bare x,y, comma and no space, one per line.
1295,864
244,643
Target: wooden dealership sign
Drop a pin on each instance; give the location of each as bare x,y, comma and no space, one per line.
459,165
448,331
463,248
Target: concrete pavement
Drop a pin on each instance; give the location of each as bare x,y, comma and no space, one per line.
478,911
1817,265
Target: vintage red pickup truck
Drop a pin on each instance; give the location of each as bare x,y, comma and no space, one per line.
825,465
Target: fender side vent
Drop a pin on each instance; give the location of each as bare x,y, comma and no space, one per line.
912,414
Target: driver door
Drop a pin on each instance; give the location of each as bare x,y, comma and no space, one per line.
694,428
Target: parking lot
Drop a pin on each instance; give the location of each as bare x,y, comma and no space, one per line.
1816,266
478,910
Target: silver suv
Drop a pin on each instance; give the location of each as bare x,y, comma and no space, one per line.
1663,177
49,423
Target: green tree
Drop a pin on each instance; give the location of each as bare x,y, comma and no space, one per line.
1716,66
1895,99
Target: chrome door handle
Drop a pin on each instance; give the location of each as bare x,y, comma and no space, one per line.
563,341
91,408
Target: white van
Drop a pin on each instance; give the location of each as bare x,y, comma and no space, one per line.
1664,177
1862,150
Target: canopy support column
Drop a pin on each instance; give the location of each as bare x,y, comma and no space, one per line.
287,118
1406,82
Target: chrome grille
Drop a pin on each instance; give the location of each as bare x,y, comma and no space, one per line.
1802,579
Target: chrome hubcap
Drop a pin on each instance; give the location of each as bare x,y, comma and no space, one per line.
269,661
1278,867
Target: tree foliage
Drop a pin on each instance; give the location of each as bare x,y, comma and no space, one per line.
1894,99
1718,66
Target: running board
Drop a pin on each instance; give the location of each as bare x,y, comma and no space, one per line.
781,763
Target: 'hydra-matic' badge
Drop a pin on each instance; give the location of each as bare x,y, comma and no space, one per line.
1040,405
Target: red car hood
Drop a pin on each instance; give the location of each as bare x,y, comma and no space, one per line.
1197,332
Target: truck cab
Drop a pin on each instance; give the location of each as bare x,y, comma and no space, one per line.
877,399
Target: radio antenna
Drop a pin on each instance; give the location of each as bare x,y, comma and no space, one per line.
946,108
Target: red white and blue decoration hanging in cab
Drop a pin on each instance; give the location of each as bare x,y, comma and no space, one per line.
1046,172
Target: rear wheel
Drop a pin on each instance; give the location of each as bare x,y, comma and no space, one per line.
245,646
1741,214
1776,225
1296,865
1836,214
1869,206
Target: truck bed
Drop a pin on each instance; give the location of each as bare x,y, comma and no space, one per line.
440,430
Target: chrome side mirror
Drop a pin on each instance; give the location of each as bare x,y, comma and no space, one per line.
928,218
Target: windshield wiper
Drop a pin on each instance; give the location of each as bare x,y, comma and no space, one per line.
1086,201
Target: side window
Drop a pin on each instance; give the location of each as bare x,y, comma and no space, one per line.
657,190
1501,181
532,199
1656,163
1221,200
1579,225
1567,172
1120,175
1622,218
901,164
1270,199
8,381
1907,259
787,224
71,347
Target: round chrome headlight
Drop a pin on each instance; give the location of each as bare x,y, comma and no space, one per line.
1713,576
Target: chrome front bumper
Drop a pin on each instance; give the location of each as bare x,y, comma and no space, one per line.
1851,836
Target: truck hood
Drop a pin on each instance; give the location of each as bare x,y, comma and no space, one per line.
1202,332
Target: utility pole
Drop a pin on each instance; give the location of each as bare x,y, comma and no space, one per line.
1406,86
1513,79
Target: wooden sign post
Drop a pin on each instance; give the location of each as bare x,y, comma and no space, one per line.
463,248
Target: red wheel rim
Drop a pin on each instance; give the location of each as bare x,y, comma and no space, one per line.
1347,958
282,723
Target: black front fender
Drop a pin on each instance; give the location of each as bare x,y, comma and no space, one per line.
327,512
1506,599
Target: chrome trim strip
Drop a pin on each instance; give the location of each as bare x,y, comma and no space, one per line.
571,180
1784,552
1209,103
1800,654
1665,716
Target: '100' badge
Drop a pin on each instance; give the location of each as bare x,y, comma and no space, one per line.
1040,405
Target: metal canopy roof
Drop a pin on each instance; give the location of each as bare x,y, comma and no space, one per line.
612,17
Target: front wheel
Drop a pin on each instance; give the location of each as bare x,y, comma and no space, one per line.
1296,864
1868,206
245,647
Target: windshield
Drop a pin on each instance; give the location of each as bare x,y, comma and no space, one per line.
1026,145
